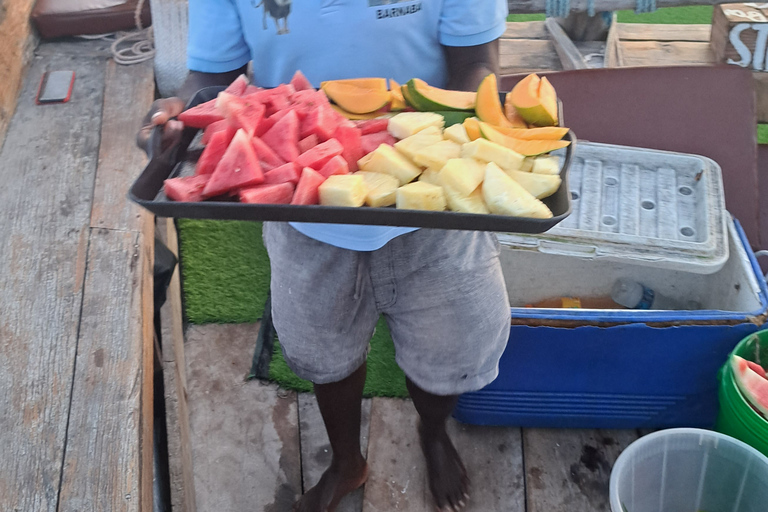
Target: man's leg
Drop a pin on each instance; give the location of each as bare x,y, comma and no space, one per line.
340,404
447,476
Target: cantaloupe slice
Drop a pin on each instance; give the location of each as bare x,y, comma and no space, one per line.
535,100
524,147
430,99
472,126
364,83
397,102
511,112
384,112
357,100
488,106
537,133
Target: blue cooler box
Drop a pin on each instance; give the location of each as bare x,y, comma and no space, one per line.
620,368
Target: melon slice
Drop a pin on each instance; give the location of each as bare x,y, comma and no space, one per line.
396,102
535,100
752,383
504,196
537,133
357,100
428,98
524,147
472,127
365,83
511,112
488,106
360,117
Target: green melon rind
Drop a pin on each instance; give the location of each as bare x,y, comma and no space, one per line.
421,102
454,116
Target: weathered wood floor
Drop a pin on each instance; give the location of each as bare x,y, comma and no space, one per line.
257,447
75,285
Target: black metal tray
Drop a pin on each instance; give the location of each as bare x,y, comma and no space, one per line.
179,160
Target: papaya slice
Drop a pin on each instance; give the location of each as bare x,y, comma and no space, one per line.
524,147
397,102
361,117
488,107
535,100
472,125
357,100
538,133
364,83
430,99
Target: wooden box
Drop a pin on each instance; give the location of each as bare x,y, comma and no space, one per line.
740,35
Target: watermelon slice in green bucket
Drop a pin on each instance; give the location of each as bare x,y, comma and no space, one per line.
752,382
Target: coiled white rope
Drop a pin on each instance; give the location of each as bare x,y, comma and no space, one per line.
141,42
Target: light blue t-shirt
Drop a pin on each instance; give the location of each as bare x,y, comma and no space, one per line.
332,39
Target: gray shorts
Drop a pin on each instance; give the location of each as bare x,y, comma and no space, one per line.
442,294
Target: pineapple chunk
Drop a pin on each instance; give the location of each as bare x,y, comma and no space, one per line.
546,165
462,174
421,195
382,188
437,155
457,133
539,185
431,176
473,203
385,159
488,151
426,137
505,197
406,124
528,164
343,190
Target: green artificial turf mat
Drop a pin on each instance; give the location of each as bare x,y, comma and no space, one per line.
762,134
225,272
683,15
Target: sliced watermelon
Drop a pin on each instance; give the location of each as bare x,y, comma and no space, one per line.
238,87
268,158
201,116
213,151
753,385
280,193
372,126
320,121
308,142
306,191
218,126
300,82
310,98
250,89
374,140
283,137
351,140
319,155
265,125
238,168
248,117
336,165
188,189
286,173
227,103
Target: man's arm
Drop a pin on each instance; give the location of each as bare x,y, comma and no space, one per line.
468,65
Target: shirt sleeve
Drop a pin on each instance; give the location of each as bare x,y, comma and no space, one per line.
469,23
215,41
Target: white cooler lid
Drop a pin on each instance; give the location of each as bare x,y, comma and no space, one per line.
655,208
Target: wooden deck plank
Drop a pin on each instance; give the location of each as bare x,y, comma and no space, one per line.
102,466
652,53
526,30
47,167
570,57
245,435
522,55
316,451
661,32
129,94
570,469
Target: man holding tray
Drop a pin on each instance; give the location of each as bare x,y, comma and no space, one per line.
441,292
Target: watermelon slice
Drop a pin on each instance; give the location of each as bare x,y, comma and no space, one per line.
300,82
213,151
753,384
201,116
238,168
308,142
287,173
218,126
188,189
374,140
238,87
349,137
310,98
265,125
280,193
320,121
306,191
248,117
250,89
373,126
319,155
283,137
268,158
336,165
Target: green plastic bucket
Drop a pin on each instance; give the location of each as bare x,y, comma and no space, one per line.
736,417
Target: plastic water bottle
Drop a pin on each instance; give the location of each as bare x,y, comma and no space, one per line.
634,295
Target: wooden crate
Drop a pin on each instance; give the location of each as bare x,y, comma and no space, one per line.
736,30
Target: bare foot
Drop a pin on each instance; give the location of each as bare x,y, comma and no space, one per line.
335,483
447,476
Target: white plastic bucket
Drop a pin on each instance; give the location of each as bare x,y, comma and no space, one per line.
689,470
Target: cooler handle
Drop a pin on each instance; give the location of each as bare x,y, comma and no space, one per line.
762,253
